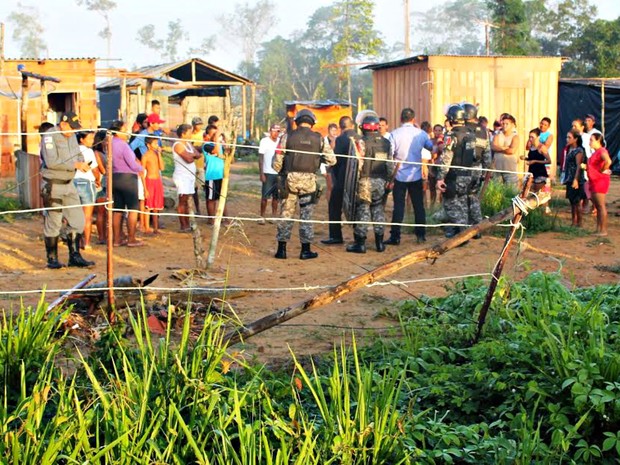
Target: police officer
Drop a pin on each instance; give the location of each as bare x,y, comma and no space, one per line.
61,158
304,151
374,151
455,176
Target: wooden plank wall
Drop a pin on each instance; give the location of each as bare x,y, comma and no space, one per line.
398,88
76,75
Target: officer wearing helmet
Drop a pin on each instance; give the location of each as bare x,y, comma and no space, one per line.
455,175
374,151
482,159
297,160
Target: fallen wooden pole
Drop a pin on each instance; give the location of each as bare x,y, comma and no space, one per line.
372,276
60,300
499,266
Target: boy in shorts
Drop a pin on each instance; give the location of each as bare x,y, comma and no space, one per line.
214,171
153,164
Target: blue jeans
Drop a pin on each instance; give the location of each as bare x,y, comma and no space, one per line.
86,190
416,192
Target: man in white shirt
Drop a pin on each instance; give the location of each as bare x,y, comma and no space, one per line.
268,176
589,129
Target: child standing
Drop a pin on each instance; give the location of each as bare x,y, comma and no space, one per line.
153,164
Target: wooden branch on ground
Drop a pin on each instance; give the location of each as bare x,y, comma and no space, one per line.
63,298
372,276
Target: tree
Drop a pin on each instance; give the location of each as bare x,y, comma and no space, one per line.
168,48
512,36
597,52
454,27
28,30
103,7
249,24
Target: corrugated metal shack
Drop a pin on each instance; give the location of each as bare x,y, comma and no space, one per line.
526,87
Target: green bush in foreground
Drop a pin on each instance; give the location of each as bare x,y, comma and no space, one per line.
542,386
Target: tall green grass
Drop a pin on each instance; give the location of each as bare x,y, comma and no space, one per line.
541,386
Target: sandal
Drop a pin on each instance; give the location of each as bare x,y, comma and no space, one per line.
135,244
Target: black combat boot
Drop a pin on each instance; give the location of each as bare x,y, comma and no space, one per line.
281,253
393,240
359,246
379,242
306,253
51,249
75,258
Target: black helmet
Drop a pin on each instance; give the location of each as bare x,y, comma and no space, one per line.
370,123
305,116
455,113
471,111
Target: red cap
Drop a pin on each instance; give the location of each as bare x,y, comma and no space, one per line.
154,118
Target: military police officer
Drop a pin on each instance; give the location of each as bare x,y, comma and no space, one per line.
456,178
61,158
303,152
374,152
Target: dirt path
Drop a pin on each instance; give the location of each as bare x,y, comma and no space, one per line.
246,254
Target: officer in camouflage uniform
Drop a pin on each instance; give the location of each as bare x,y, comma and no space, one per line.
482,161
459,185
304,151
374,150
61,157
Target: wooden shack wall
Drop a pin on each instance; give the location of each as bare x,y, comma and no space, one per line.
76,76
402,87
525,87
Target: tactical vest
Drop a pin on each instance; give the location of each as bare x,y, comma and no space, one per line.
482,140
302,139
464,148
377,147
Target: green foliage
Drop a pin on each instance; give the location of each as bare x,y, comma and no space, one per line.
28,30
8,204
541,386
512,34
597,51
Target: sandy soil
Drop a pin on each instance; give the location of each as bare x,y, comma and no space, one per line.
245,259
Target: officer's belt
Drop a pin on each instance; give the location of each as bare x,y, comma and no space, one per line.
57,181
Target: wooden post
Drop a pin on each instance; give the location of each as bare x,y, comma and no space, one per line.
603,107
244,116
123,110
44,101
220,207
24,113
407,30
148,96
371,276
199,253
499,266
110,232
1,49
252,108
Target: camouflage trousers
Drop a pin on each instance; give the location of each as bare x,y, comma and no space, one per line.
287,211
460,203
373,211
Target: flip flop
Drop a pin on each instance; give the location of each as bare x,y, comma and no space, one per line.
121,244
135,244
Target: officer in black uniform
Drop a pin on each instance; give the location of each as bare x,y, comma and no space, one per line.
304,151
374,151
455,176
338,172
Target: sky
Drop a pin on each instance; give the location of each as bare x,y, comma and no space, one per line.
71,31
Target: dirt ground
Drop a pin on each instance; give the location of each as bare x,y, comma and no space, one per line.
245,259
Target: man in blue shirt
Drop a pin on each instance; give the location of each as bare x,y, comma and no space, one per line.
409,175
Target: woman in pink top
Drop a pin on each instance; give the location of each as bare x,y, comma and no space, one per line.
599,175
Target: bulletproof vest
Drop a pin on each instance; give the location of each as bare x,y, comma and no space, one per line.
377,147
302,139
464,147
481,140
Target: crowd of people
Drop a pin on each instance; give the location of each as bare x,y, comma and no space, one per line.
450,161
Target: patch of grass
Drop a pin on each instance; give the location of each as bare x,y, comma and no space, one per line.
8,204
571,232
598,241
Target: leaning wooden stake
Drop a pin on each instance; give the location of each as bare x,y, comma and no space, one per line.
220,207
60,300
199,252
499,266
362,280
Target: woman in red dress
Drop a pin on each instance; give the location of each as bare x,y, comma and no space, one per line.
599,175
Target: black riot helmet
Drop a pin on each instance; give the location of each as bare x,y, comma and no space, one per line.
305,116
370,123
455,113
471,111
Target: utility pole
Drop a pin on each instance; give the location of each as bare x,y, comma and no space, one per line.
407,29
1,48
487,34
